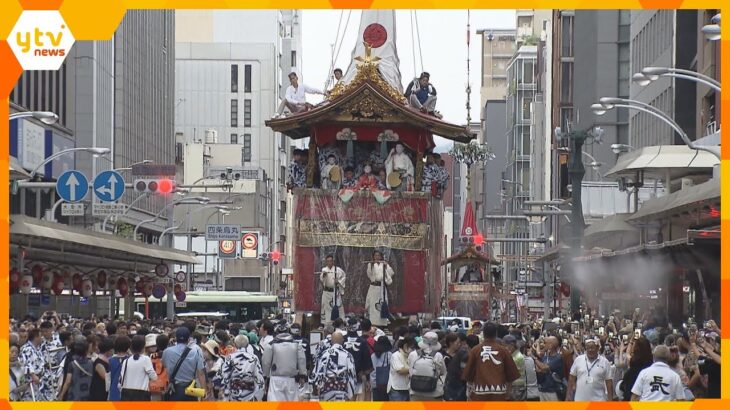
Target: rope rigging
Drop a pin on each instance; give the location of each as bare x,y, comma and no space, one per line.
335,55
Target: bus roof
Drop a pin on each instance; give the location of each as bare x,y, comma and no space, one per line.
202,314
220,296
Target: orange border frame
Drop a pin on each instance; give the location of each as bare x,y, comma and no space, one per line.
97,20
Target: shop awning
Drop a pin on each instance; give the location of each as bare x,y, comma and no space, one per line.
17,172
678,160
612,232
606,253
705,194
62,244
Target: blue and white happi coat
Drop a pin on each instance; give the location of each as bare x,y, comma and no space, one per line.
241,377
334,375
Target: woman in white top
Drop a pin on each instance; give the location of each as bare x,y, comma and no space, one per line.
399,379
137,371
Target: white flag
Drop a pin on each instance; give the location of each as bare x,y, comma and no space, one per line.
377,27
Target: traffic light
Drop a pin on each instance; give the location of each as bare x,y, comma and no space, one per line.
275,256
154,186
478,239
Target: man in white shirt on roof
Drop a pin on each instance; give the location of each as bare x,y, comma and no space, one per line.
295,98
591,377
658,382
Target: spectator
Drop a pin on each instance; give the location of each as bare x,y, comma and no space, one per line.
77,383
398,381
640,359
658,382
137,371
99,389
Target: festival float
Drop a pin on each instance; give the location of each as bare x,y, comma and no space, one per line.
366,124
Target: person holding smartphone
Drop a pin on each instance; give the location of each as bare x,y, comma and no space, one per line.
641,358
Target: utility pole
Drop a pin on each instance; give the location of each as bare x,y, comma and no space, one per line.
170,268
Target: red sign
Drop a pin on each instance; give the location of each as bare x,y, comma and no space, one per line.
227,249
249,240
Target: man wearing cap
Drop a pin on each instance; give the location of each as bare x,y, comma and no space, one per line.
285,365
490,369
428,356
295,99
421,94
658,382
241,377
191,365
591,378
519,386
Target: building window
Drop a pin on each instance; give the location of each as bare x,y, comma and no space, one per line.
525,112
247,78
567,36
528,72
293,58
234,138
247,112
246,147
234,113
234,78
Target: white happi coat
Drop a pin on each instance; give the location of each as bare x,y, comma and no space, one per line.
328,298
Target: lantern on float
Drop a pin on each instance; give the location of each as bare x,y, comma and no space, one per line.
26,282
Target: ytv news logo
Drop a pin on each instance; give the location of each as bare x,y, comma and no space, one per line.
41,40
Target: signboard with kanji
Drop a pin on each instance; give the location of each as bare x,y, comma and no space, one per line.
217,232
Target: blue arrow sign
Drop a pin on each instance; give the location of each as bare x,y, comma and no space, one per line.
108,186
72,186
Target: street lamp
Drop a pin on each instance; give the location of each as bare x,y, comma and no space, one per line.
649,74
183,201
609,103
96,151
129,168
619,148
45,117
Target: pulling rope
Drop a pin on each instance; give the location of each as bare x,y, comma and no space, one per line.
413,46
418,33
334,54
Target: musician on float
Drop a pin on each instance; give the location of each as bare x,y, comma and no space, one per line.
399,164
333,288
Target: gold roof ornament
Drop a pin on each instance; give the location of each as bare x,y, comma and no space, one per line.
367,70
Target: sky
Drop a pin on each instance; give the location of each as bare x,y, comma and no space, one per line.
442,44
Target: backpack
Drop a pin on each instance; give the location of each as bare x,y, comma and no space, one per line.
382,374
424,376
159,385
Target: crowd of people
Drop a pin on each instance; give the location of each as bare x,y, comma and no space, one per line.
591,358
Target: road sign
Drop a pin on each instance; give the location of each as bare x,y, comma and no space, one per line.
72,186
222,232
108,186
69,209
250,245
107,209
227,249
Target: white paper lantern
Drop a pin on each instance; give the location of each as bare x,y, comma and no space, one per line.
26,282
47,280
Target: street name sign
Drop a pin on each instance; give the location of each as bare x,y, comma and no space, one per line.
218,232
108,186
107,209
72,186
71,209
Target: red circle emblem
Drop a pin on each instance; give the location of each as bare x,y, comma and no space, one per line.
375,35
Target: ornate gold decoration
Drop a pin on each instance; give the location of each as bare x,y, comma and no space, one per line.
367,70
407,236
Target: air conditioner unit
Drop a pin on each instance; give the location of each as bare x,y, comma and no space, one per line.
687,182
